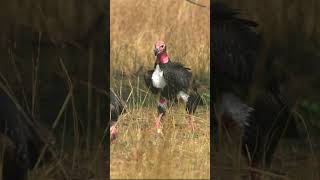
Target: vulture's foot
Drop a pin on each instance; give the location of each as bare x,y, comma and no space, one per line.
113,134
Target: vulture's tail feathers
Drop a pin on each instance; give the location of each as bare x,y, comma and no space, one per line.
273,85
194,101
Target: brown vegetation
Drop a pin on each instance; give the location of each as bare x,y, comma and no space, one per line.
139,151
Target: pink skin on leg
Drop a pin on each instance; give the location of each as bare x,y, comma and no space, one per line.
189,116
113,134
158,121
190,122
162,103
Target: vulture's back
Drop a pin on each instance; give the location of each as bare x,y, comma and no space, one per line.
236,46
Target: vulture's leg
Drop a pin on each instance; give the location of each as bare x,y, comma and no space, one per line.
192,101
113,133
113,128
267,125
161,112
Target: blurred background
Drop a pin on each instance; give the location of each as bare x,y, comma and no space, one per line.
292,31
135,26
53,60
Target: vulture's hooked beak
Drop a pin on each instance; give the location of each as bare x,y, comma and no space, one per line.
156,52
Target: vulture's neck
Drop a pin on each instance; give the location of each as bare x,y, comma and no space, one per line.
162,58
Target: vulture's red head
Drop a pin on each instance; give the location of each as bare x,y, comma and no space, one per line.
160,51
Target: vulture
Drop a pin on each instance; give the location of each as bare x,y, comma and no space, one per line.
172,81
20,141
116,108
237,49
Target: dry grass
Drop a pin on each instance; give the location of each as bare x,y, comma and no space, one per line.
142,153
139,151
293,160
178,153
77,153
136,25
71,159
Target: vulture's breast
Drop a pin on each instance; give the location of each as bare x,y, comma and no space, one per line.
158,80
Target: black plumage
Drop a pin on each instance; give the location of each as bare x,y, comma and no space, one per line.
116,106
172,80
176,75
237,48
268,123
116,109
22,140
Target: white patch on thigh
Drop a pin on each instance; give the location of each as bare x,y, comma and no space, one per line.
183,96
238,110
